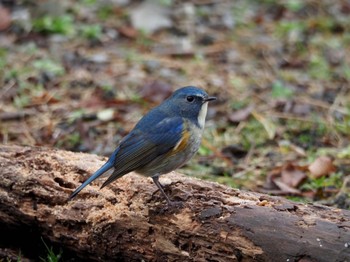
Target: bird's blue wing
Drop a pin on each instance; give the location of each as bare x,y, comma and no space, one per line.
139,148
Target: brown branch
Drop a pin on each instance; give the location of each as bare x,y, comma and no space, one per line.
129,220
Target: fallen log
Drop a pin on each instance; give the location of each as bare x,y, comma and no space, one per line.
130,221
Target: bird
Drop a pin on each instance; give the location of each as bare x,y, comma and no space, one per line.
163,140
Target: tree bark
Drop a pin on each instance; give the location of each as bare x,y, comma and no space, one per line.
130,221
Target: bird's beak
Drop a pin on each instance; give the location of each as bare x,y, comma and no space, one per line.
210,98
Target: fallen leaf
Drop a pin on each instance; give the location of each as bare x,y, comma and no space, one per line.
44,98
301,109
272,175
106,114
285,178
156,91
128,31
241,114
322,166
151,16
267,124
292,176
286,188
179,46
293,62
287,147
5,18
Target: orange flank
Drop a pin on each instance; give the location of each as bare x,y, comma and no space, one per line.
183,142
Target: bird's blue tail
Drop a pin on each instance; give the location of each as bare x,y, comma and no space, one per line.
108,165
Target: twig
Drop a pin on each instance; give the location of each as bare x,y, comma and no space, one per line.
10,116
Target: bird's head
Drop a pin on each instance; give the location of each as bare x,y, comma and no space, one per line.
190,102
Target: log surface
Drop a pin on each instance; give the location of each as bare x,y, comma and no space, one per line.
129,220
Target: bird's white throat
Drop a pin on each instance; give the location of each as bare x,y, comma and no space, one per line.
202,115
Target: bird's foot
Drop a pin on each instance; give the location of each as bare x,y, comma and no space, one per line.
176,204
173,205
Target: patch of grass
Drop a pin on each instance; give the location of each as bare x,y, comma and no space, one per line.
143,39
344,153
132,56
3,58
305,138
319,68
166,2
25,93
105,12
252,134
51,255
55,24
344,127
294,5
305,134
228,180
321,23
21,101
76,114
346,71
11,73
279,90
204,151
285,28
29,48
334,180
70,141
297,199
239,83
241,13
88,2
239,104
91,32
49,66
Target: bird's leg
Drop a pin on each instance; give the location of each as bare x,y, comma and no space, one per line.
159,185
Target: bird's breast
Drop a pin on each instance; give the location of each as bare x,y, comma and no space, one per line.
202,115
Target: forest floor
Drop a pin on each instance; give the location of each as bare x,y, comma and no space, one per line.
78,75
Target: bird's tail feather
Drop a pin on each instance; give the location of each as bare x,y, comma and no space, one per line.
108,165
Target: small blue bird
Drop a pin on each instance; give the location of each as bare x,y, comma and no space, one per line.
162,141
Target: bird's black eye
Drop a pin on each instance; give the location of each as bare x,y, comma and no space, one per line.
190,99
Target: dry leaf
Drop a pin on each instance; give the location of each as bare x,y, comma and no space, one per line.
322,166
5,18
285,178
106,114
151,16
156,91
128,31
272,175
240,115
267,124
285,188
292,175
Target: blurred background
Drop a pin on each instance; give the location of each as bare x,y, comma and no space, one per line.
78,75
